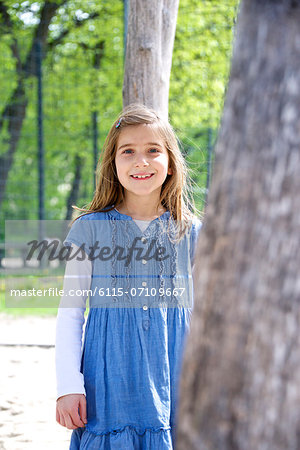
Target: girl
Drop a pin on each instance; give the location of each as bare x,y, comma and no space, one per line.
134,250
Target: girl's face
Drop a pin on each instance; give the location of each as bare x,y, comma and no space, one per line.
141,152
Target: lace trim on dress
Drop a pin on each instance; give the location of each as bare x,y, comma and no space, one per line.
137,429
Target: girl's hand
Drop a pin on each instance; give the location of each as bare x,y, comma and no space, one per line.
71,411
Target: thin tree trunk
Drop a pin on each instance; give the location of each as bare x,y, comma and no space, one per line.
14,112
240,384
150,40
73,196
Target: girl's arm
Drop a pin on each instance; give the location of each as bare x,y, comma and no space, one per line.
69,326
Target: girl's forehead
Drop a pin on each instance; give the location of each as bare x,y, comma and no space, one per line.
140,134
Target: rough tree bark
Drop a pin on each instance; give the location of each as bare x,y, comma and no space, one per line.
240,384
150,40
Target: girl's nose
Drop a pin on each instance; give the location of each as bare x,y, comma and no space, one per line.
141,160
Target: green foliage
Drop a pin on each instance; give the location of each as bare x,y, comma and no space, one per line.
201,60
73,88
200,71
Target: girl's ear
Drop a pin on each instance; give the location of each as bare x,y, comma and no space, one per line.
170,171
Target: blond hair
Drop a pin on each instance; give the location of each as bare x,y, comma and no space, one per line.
176,189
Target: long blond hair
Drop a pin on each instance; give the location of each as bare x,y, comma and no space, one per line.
176,192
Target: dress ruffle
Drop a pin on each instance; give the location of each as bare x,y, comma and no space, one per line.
126,438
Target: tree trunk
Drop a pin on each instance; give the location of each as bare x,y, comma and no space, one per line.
150,40
14,113
240,384
73,196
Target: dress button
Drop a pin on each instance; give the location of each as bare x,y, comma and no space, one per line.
144,283
144,261
145,307
144,239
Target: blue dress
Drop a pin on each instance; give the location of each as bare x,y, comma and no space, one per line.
140,311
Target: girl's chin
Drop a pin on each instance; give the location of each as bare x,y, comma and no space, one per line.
141,193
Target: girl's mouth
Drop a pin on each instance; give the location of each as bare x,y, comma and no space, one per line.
142,177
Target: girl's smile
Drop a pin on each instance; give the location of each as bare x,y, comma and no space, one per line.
142,176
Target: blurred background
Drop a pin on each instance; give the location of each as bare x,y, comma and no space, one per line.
61,77
58,101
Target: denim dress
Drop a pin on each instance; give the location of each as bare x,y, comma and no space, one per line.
139,316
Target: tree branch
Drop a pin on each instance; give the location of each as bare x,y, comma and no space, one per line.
98,51
41,33
6,20
5,16
77,24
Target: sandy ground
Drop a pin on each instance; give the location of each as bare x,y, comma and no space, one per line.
27,386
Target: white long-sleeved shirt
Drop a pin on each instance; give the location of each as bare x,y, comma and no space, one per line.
69,324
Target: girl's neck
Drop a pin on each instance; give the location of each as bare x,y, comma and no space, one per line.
140,213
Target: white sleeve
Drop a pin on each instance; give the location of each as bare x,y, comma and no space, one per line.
69,326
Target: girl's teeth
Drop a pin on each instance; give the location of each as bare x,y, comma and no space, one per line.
142,176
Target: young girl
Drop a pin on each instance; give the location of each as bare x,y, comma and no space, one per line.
134,251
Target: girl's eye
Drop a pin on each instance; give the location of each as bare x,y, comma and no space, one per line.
152,150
